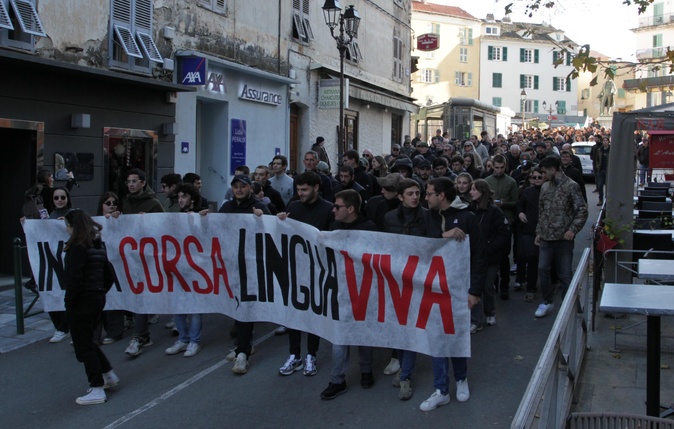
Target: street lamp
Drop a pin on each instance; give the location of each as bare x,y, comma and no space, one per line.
551,109
523,99
348,23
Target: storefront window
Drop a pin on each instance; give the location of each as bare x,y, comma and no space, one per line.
125,149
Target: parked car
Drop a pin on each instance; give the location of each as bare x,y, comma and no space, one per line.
583,151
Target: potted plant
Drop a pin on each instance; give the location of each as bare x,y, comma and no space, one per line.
610,234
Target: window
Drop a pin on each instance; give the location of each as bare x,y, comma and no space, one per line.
561,84
528,55
463,55
561,107
528,81
353,53
433,28
19,24
430,55
492,31
429,76
657,40
398,49
497,80
463,79
465,36
621,93
497,53
560,58
219,6
584,93
531,106
131,44
496,101
301,24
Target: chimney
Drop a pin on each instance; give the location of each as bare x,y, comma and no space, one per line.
490,17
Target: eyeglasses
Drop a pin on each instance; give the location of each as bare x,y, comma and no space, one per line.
110,203
536,177
132,182
60,197
430,194
339,206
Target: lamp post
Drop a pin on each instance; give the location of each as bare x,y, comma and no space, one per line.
348,29
550,110
523,99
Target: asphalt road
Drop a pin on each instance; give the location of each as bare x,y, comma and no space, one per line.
39,383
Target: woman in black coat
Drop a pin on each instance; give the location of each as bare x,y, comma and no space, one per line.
496,233
527,213
88,275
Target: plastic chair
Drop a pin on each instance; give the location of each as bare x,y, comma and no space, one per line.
646,223
665,185
655,205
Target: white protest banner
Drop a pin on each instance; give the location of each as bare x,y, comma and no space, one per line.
349,287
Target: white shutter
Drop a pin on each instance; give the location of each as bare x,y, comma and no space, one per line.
28,18
121,20
127,41
5,22
143,21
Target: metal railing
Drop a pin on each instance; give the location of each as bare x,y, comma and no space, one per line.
648,21
21,313
552,388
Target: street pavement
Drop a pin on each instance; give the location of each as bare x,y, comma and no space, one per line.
39,381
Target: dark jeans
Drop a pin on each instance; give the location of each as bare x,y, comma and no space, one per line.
59,319
113,324
295,341
601,181
244,337
561,253
83,317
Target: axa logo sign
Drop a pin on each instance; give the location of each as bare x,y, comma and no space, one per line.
192,70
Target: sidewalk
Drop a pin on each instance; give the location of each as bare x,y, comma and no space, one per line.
36,327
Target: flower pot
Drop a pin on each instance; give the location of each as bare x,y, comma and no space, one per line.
605,243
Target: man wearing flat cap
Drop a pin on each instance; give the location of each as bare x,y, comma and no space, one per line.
319,148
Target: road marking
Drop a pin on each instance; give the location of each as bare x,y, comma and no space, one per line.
185,384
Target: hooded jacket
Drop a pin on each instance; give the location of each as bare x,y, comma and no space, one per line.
143,202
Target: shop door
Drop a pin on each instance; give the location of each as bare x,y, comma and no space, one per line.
351,129
19,141
124,149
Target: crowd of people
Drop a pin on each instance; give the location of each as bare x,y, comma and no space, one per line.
520,199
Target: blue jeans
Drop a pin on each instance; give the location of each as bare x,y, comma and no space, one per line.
189,327
441,372
407,360
643,169
340,361
560,251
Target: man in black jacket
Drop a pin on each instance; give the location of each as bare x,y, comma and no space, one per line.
378,206
317,212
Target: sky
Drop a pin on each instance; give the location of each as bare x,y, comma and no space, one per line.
604,24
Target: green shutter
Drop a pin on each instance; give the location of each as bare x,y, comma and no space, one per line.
437,76
522,55
496,80
621,93
554,84
490,53
522,81
561,107
535,106
536,56
470,36
496,101
535,82
505,53
555,57
568,85
568,59
470,79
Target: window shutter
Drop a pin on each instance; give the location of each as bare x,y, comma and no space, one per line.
555,83
505,53
5,21
490,52
535,106
470,79
470,36
568,85
437,76
568,59
555,57
496,101
143,22
522,55
496,80
522,81
561,107
535,82
121,23
28,18
536,56
457,78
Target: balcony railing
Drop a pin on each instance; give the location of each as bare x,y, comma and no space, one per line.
644,54
650,21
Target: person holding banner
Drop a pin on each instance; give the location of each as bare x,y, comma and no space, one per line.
317,212
87,274
140,199
408,219
243,202
348,217
451,218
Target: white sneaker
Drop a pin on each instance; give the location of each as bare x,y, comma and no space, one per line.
292,364
310,367
392,367
176,348
491,320
435,400
240,364
543,309
110,379
95,395
170,325
192,349
152,319
232,354
475,328
59,336
462,392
